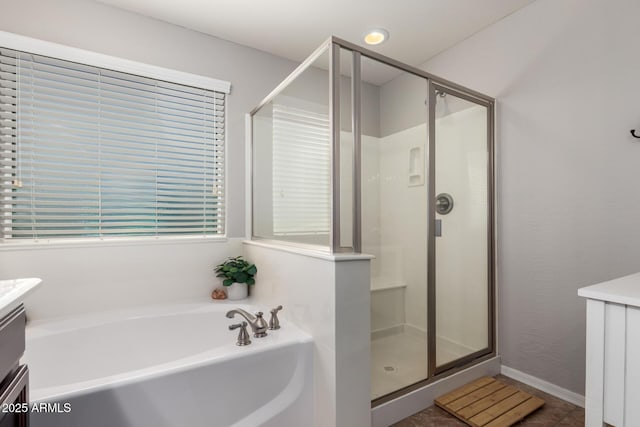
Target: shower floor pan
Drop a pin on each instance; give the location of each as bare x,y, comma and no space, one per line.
399,360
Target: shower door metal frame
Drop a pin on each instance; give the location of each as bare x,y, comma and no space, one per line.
333,46
326,46
434,369
436,83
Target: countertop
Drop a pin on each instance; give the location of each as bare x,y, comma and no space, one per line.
14,291
624,290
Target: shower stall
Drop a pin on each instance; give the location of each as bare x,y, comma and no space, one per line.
358,153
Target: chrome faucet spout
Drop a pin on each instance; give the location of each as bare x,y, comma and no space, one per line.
250,317
258,324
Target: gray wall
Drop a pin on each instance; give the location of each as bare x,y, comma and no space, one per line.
313,85
252,73
83,279
566,78
402,103
104,29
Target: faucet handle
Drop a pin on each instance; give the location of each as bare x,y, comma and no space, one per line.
260,329
274,323
243,335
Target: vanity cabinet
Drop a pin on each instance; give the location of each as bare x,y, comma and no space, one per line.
14,378
612,393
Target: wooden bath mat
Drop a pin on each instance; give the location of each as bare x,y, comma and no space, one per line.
487,402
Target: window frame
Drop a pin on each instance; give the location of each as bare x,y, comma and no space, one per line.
94,59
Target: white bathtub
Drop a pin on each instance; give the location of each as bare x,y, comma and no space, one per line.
171,366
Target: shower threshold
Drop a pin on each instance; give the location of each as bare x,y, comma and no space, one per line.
397,406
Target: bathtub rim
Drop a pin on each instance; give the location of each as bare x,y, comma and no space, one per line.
289,336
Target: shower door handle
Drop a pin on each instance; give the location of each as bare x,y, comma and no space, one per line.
438,228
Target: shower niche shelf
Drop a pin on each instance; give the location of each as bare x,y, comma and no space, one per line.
416,167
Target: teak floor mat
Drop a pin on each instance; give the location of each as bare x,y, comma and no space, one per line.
487,402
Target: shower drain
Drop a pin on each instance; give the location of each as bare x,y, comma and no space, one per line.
389,368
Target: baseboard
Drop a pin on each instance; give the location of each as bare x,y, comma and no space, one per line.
547,387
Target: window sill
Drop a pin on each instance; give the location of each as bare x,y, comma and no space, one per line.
108,242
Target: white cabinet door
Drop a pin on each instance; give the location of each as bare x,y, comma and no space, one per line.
595,364
632,397
614,363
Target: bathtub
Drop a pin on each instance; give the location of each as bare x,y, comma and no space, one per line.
169,366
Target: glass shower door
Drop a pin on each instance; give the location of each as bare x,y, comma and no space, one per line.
460,271
394,230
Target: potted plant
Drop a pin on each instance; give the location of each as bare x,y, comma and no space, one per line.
238,274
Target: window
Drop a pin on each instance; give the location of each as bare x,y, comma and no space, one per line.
87,151
301,171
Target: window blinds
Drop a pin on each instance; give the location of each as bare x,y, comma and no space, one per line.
301,171
90,152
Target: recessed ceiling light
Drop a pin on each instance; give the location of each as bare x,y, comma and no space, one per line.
377,36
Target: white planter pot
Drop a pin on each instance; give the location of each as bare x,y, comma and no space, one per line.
237,291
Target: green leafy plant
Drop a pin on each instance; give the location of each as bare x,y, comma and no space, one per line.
236,270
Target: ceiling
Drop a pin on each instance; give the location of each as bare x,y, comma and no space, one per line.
419,29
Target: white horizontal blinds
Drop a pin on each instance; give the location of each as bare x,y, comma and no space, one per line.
94,152
301,171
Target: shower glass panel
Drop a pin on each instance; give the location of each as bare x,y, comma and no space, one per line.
291,159
462,268
394,222
358,153
346,154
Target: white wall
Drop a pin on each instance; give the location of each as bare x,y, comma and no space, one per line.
565,74
462,304
325,296
370,199
403,221
103,277
461,288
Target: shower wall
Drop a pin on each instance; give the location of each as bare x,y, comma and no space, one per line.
303,192
371,200
397,229
462,251
394,195
403,221
400,238
393,221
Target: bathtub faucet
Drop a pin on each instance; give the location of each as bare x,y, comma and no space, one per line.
258,324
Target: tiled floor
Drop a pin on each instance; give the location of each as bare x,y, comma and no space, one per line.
555,412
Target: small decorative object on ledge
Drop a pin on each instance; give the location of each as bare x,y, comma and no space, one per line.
218,294
238,274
